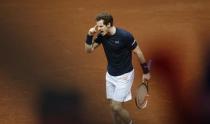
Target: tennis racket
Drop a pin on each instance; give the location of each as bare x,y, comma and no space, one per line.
142,92
142,95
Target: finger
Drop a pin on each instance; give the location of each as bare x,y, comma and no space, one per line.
145,80
95,27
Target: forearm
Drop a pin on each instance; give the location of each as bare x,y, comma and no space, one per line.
90,46
142,60
143,63
141,57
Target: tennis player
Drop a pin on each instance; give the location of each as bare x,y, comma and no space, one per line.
118,46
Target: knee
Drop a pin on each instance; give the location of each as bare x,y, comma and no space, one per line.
116,107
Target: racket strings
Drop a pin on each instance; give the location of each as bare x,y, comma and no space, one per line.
142,96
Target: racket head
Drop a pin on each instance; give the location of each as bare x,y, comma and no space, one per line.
142,94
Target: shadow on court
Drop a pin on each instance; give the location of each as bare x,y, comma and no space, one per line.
191,98
203,101
60,106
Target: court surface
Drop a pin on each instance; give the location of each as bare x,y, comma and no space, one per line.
46,77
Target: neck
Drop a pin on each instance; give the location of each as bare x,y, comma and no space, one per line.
112,30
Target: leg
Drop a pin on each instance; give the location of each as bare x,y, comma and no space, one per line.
120,114
118,89
115,116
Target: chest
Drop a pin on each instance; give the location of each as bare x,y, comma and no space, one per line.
114,43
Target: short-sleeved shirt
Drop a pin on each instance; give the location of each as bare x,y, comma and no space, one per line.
118,49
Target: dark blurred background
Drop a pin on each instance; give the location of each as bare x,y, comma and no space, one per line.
46,77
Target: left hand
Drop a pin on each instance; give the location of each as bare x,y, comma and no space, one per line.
146,77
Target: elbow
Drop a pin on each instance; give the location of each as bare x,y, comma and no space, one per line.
88,50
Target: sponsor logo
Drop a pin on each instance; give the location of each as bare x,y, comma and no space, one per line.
117,42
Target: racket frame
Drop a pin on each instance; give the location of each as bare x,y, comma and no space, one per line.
145,83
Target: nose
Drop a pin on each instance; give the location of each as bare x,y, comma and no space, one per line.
99,28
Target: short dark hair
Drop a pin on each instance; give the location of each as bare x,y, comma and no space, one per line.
106,17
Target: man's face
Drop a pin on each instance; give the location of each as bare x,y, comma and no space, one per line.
103,29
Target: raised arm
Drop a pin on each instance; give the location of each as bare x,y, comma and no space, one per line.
90,45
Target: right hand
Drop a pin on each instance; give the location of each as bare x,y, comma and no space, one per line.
146,77
92,30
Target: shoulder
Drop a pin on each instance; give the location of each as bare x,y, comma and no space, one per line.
124,33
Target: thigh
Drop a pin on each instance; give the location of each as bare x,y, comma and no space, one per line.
110,86
122,91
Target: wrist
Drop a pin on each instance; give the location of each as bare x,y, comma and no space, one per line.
89,39
145,68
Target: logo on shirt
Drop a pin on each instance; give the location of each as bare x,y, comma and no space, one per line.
117,42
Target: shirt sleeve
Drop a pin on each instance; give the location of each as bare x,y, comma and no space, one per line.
132,44
98,39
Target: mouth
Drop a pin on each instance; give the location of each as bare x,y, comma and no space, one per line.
101,32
